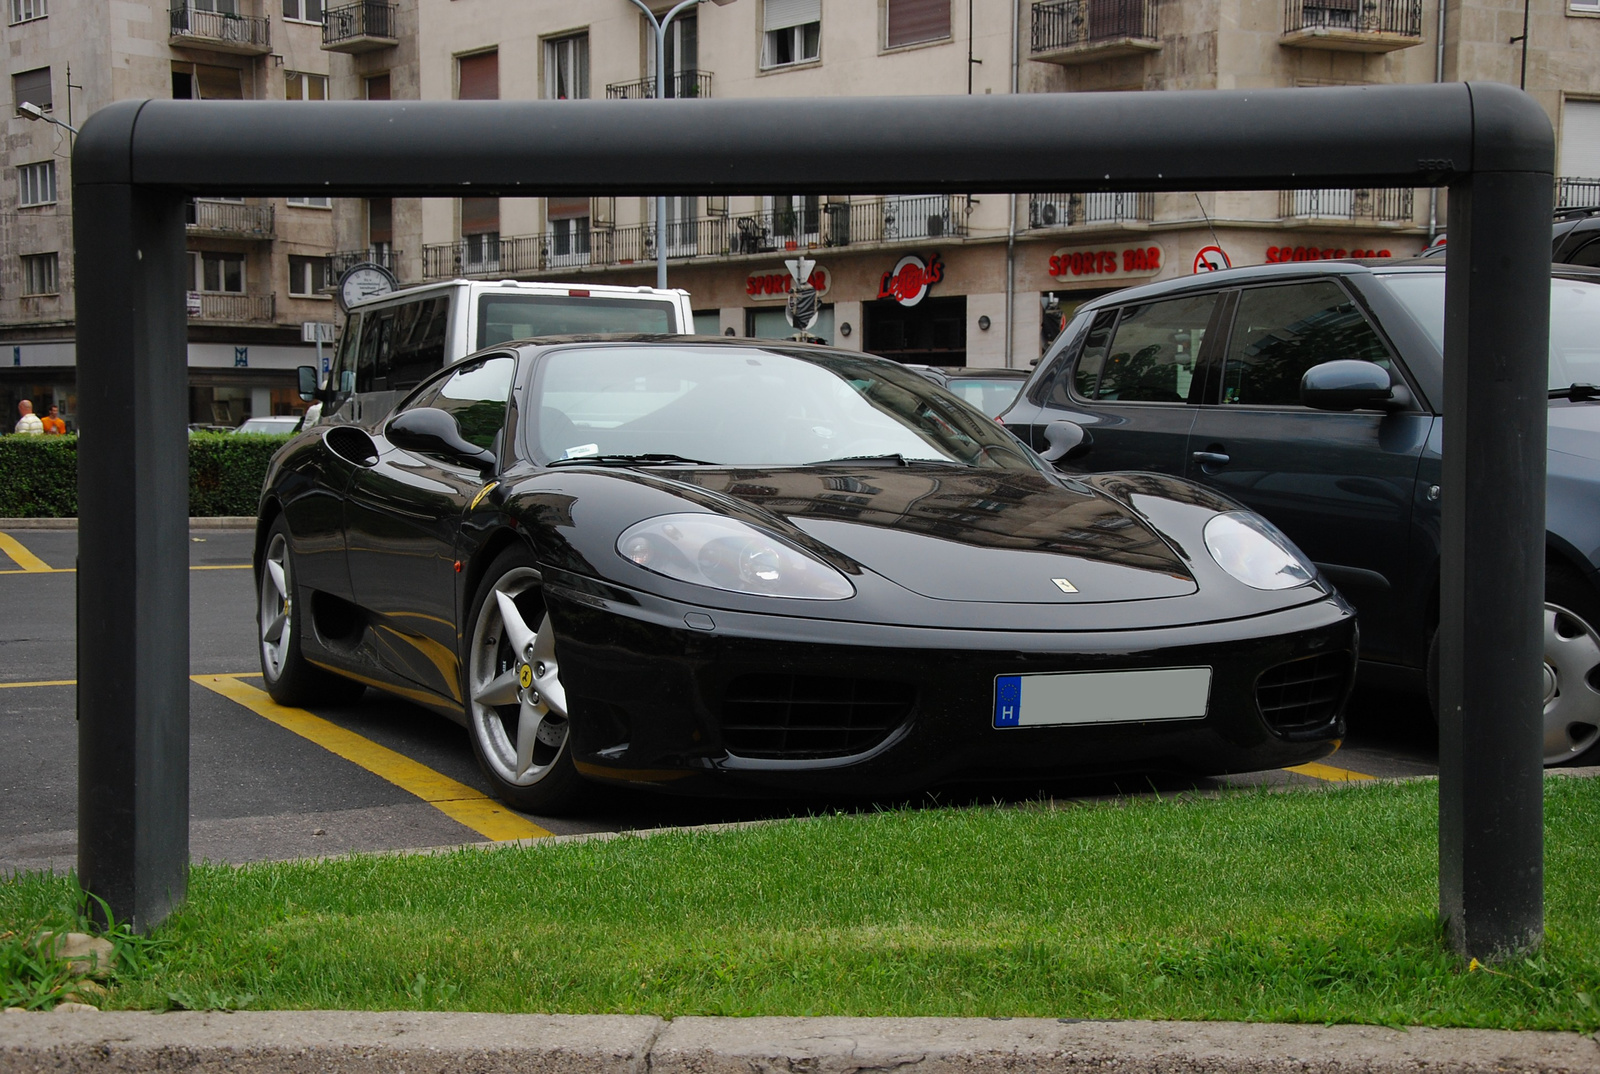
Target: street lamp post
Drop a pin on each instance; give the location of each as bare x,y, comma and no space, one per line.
33,111
660,26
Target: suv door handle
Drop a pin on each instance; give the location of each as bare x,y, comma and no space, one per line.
1210,458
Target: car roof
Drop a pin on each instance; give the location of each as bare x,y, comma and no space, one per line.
532,287
1249,274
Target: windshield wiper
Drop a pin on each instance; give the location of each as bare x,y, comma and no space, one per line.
654,459
1577,393
896,459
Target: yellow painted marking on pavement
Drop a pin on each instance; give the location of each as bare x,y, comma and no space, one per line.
460,803
45,682
1328,772
25,559
73,570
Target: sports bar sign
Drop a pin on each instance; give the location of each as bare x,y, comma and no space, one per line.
1118,262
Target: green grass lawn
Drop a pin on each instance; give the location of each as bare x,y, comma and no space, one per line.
1313,906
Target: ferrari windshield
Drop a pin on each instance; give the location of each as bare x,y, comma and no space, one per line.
1574,322
754,406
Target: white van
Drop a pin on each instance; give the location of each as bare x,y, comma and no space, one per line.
391,342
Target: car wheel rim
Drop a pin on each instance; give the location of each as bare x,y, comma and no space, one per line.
1571,685
518,706
275,608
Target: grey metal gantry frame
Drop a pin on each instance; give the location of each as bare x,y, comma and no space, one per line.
136,162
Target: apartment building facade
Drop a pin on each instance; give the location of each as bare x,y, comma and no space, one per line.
985,280
258,265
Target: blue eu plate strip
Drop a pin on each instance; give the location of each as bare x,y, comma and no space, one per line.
1007,700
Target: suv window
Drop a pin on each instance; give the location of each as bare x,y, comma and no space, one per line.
343,380
503,317
372,359
1152,354
1280,332
475,395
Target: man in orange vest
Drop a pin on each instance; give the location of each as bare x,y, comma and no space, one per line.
53,425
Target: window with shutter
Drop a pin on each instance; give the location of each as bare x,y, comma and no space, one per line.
910,22
1580,139
478,76
32,87
792,32
480,215
378,88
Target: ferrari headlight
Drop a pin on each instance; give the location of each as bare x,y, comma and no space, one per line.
727,554
1255,553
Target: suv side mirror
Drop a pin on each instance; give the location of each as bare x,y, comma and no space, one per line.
1351,385
308,382
1067,440
434,432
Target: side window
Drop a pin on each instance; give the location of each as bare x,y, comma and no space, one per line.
1153,351
1588,254
417,349
476,396
372,360
1091,363
343,379
1280,332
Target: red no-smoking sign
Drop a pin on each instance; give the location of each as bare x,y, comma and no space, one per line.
1210,259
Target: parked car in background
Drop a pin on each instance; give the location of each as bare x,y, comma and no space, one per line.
1577,237
740,566
287,423
990,390
1574,238
1311,392
391,342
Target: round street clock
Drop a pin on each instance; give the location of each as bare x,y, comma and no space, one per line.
363,280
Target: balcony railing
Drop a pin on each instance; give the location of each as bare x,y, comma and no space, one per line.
234,219
232,308
1352,25
362,27
382,255
1381,206
679,84
1573,193
867,222
1072,210
1082,31
220,32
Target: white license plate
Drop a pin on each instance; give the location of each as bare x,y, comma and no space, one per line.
1101,697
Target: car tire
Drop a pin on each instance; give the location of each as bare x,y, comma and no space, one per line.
515,704
1572,669
290,678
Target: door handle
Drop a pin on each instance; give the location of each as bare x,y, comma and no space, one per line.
1210,458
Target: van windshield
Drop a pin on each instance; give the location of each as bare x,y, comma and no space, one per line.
507,317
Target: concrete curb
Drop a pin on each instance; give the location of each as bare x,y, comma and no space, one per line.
221,522
352,1042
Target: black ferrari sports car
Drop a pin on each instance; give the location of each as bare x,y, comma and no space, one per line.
747,566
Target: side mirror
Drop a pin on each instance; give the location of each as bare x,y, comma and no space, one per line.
434,432
308,382
1067,440
1351,385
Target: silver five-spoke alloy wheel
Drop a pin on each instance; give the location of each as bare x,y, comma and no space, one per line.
518,707
1571,675
275,609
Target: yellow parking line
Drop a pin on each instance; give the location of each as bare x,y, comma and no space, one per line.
46,682
1328,772
25,559
73,570
460,803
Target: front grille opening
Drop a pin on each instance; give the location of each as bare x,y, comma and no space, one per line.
809,716
1304,695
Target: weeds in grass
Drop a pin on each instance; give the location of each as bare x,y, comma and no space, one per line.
33,974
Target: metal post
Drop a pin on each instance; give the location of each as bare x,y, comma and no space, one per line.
1491,822
660,26
133,576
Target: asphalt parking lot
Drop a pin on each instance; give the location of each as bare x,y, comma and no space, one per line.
272,783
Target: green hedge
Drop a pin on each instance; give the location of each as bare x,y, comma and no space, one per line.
39,474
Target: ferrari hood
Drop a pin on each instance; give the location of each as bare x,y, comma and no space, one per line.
965,534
